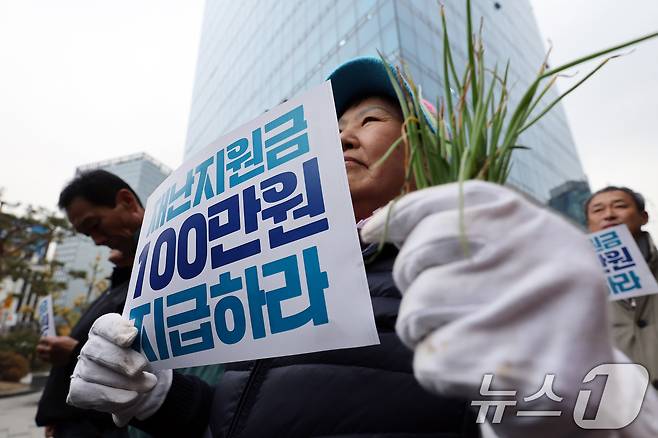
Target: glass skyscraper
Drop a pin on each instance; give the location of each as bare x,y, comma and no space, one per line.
569,199
255,53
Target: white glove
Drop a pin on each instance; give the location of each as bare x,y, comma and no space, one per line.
110,376
529,301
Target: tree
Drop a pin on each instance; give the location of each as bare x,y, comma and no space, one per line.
95,284
24,242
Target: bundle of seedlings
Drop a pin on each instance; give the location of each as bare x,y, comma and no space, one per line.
474,131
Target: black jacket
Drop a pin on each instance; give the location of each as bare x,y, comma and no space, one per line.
52,406
364,392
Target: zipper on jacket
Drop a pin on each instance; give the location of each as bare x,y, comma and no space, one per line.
243,398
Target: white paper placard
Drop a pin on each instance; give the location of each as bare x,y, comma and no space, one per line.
250,250
46,316
623,265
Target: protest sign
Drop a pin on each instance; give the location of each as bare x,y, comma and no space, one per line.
250,250
8,318
626,272
46,317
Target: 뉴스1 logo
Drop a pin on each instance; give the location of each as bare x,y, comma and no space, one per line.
620,402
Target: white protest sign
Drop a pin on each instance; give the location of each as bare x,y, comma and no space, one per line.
250,250
623,265
46,317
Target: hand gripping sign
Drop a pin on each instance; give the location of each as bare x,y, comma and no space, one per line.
627,274
249,249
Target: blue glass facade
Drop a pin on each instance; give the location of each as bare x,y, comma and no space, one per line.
255,53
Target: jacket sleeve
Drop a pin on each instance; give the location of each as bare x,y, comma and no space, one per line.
185,411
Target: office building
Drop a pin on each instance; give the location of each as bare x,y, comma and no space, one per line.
253,54
569,199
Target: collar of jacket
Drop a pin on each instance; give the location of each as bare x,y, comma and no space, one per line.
372,252
120,275
649,251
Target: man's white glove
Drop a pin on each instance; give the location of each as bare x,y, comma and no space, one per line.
528,301
111,377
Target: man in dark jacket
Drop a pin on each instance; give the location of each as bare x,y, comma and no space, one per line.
368,391
111,213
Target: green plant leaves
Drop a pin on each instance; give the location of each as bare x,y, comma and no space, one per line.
475,136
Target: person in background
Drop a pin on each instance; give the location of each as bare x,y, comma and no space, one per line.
104,207
62,420
634,321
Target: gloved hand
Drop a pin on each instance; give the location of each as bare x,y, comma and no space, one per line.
529,301
112,377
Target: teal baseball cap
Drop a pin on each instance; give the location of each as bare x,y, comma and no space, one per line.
367,76
358,78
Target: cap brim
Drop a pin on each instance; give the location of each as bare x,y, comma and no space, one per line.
359,78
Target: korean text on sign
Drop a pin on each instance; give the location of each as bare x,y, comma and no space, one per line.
249,250
626,272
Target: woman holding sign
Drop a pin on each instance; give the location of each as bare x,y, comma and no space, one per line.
500,313
366,391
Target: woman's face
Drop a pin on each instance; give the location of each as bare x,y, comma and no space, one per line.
367,130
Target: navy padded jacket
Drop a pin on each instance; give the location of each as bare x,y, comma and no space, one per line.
359,392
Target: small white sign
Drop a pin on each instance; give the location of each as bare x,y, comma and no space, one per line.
623,265
7,318
250,250
46,317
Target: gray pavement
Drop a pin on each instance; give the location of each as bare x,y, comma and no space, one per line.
17,416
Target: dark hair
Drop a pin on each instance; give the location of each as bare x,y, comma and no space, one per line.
99,187
638,199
